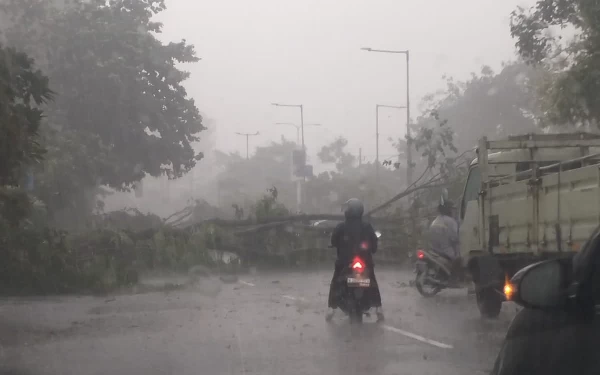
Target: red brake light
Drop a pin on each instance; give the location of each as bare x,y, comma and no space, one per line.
358,265
420,254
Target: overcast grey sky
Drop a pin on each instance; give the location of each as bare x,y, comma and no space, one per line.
308,52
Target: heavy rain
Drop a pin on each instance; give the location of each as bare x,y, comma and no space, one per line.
212,187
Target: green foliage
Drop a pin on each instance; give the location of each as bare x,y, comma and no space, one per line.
571,94
121,111
243,182
434,141
15,205
268,206
22,90
66,181
489,104
334,153
326,192
38,260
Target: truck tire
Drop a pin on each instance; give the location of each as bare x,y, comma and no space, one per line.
489,302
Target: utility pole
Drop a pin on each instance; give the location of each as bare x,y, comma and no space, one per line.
409,166
302,128
377,142
299,182
247,135
360,157
297,128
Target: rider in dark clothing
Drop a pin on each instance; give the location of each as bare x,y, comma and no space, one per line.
346,237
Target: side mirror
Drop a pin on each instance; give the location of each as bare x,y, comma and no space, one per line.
378,233
542,285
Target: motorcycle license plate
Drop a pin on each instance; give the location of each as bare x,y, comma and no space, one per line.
358,282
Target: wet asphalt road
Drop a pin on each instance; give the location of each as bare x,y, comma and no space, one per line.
261,324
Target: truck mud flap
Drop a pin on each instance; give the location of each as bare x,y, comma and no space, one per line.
487,271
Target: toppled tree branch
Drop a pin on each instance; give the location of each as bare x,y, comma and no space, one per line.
433,182
275,220
429,185
186,210
179,220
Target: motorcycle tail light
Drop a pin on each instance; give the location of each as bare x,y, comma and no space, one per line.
358,265
420,254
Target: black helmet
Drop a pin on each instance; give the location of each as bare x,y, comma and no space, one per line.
353,208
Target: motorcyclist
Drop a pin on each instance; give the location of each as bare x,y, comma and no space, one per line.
346,237
443,233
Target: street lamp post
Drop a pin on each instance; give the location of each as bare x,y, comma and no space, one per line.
377,106
247,135
409,167
299,182
297,128
301,116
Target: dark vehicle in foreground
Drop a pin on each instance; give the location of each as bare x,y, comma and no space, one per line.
558,331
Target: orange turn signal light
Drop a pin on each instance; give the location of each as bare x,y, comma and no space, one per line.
508,291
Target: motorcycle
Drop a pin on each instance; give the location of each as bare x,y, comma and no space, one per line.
355,286
434,273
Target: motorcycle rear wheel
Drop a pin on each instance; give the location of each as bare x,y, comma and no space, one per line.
356,316
354,308
420,283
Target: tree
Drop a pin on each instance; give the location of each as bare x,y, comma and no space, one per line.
334,153
438,162
488,104
571,93
121,111
23,89
243,181
268,206
326,192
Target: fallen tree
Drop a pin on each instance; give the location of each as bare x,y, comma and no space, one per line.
434,182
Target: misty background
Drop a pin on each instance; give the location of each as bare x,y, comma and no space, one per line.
309,53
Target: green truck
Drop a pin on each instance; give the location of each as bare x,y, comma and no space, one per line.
527,198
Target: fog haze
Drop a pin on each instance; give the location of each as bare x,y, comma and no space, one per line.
308,52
